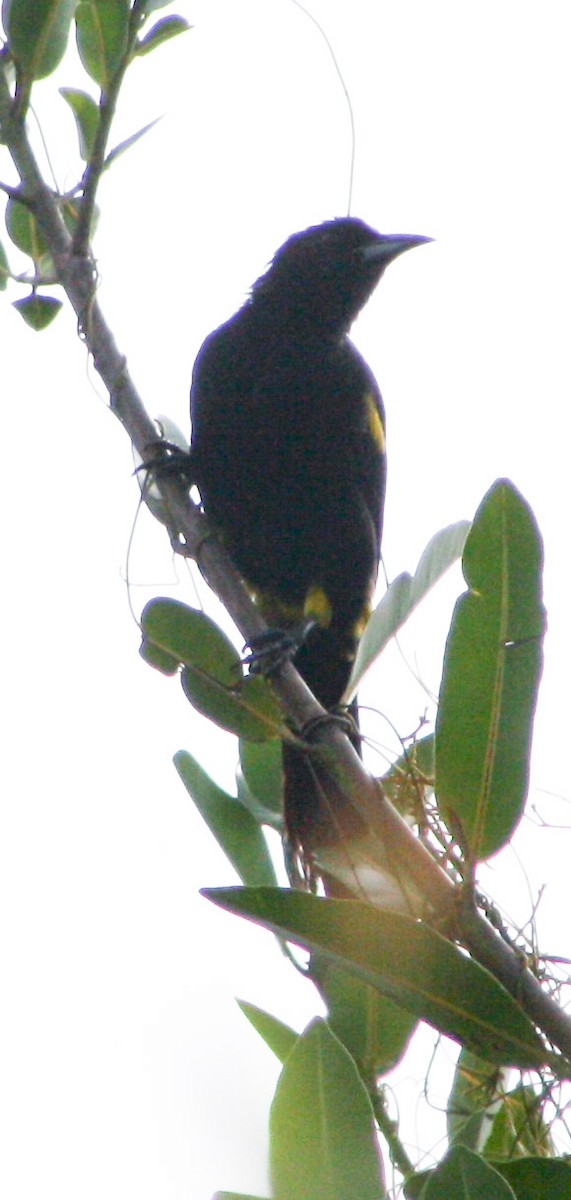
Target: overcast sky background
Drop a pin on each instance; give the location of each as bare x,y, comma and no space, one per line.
127,1070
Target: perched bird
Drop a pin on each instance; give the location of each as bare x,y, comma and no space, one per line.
288,451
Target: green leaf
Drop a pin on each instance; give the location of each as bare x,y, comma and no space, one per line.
86,113
248,708
405,960
128,142
466,1175
212,676
491,673
38,311
102,37
263,773
192,638
537,1178
235,829
279,1037
166,28
403,595
38,32
5,272
322,1133
374,1029
25,231
474,1099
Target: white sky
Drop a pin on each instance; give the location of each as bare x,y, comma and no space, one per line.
127,1070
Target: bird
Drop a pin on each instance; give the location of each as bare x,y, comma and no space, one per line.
288,452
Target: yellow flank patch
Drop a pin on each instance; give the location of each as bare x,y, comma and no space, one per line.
376,427
359,626
318,605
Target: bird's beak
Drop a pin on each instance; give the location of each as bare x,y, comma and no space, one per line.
390,246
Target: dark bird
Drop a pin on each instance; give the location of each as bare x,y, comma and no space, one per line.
288,451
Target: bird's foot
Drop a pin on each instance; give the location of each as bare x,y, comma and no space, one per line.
166,460
272,649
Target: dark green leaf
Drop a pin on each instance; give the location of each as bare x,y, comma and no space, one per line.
466,1175
537,1178
25,231
280,1038
38,32
491,673
234,828
262,768
212,676
374,1029
405,960
248,708
5,272
86,113
403,595
322,1134
102,37
192,638
166,28
38,311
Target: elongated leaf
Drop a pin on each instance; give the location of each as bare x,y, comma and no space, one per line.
102,37
163,31
38,32
492,667
464,1174
280,1038
374,1029
117,151
234,828
322,1134
262,768
405,960
86,113
403,595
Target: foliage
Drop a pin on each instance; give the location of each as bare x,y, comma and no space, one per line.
463,787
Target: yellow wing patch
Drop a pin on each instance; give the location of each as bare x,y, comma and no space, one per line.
376,427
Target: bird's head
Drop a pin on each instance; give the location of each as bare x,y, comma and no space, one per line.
324,275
